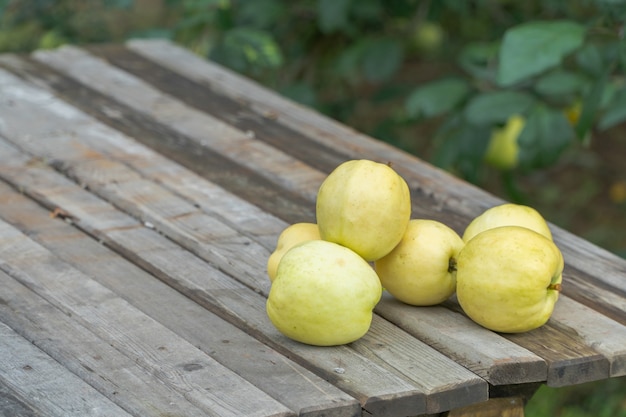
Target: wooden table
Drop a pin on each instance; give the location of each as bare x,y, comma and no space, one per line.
142,190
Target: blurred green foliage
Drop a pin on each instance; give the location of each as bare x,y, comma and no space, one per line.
608,400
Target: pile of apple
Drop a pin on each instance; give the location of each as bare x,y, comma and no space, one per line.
328,277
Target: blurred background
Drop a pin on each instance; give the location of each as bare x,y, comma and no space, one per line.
525,99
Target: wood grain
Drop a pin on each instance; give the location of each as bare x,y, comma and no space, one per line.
232,111
486,353
46,385
570,360
598,331
11,405
287,382
422,365
87,356
223,171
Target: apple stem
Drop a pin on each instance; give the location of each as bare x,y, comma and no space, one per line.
556,287
451,265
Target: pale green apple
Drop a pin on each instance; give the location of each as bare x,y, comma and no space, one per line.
428,37
421,270
503,150
323,294
509,278
291,236
508,214
365,206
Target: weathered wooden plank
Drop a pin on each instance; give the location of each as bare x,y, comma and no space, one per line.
231,135
87,356
221,170
570,360
405,354
575,326
12,406
181,220
55,146
45,384
379,391
206,383
486,353
138,95
250,220
601,333
284,380
451,194
605,298
201,128
232,111
178,218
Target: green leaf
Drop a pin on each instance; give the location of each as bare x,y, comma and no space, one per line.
260,14
590,107
616,112
120,4
561,82
531,48
477,58
368,10
437,97
349,60
460,147
496,107
382,58
544,137
589,59
622,55
332,14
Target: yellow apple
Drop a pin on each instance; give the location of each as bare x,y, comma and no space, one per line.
508,214
421,269
428,37
503,150
365,206
509,278
323,294
573,111
290,237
